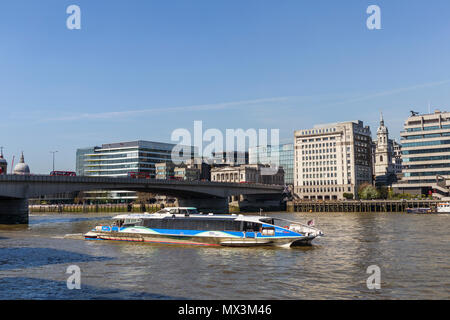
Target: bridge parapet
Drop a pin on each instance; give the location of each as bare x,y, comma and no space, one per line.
35,185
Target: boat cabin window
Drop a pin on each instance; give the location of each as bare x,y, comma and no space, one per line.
119,223
129,222
194,224
178,211
252,226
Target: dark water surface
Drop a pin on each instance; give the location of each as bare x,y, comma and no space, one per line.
412,251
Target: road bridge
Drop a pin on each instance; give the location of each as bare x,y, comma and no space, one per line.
15,190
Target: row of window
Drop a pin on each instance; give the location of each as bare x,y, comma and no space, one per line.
201,224
317,151
427,151
426,158
319,157
330,189
427,136
320,182
319,145
429,166
426,143
320,169
445,126
433,173
318,131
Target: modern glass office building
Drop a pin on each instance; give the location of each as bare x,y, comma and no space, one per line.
80,161
121,159
425,153
281,155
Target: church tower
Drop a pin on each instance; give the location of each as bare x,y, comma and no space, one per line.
383,151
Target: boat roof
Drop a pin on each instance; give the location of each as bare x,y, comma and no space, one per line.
238,217
162,215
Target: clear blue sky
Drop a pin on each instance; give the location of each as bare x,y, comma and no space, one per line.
140,69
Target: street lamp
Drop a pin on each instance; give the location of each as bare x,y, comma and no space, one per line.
53,159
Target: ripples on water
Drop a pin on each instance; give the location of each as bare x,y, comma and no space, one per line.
411,250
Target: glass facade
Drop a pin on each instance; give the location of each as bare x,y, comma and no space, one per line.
281,155
118,159
426,151
81,153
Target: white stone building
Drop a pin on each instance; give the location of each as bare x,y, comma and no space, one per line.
248,173
387,157
332,160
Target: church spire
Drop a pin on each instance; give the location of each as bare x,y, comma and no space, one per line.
381,120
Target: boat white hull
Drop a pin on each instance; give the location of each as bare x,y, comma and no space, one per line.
206,241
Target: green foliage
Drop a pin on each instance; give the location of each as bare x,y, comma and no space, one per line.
348,196
367,192
383,192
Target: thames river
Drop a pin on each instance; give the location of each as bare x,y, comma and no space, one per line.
412,252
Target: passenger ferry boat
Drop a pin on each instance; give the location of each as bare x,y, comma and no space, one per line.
443,207
185,225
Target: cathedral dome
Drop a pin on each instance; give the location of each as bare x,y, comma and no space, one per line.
21,168
3,164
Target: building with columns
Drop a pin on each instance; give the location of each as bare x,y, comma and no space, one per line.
248,173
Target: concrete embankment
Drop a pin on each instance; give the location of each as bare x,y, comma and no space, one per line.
359,206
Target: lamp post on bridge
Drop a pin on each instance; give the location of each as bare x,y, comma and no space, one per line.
53,152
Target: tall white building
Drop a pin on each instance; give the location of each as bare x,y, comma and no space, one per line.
331,160
384,151
386,157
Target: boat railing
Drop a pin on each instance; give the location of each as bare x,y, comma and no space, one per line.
301,227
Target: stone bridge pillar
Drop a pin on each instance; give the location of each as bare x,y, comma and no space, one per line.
13,211
206,205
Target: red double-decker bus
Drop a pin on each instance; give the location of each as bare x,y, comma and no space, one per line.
139,175
63,173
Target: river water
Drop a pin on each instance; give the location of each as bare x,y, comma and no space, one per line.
412,252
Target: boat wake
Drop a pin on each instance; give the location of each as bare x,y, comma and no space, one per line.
76,236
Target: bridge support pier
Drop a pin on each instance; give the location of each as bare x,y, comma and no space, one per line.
206,205
13,211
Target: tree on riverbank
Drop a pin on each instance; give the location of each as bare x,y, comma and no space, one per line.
348,196
368,192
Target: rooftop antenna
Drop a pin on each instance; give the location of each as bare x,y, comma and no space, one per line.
429,107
